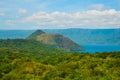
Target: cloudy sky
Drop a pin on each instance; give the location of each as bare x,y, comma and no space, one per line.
59,14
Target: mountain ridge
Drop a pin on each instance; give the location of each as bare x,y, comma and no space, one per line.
90,36
80,36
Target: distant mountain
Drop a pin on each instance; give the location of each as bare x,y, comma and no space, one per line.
80,36
90,36
13,34
55,40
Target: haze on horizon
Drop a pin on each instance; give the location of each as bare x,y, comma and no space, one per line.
59,14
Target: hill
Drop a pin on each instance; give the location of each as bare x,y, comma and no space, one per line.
35,34
28,45
90,36
55,40
59,41
80,36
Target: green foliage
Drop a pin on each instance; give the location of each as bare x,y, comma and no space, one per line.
18,64
29,46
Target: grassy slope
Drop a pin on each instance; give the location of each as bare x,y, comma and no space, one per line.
59,41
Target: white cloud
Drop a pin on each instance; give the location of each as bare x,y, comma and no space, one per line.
2,14
86,19
1,9
10,22
98,7
22,11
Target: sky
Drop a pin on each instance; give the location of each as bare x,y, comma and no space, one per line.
59,14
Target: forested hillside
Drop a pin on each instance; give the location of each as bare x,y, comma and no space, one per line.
29,45
17,64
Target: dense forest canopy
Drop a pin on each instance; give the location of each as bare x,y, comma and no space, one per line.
17,64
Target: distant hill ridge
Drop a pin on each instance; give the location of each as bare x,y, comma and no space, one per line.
55,40
80,36
90,36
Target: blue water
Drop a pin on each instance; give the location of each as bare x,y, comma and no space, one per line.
100,48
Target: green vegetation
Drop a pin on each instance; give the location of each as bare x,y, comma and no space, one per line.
18,64
29,59
28,45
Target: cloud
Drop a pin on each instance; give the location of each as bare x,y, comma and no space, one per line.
1,9
22,11
98,7
2,14
86,19
10,22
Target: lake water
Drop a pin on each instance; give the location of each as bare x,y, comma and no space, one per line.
100,48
